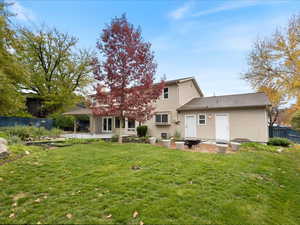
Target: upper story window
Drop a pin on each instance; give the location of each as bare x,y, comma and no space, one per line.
202,119
166,93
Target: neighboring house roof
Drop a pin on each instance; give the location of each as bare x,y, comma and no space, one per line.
79,111
227,101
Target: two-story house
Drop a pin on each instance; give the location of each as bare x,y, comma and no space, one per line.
183,109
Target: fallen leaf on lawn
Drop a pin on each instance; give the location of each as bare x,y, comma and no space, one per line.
19,196
27,152
69,216
14,204
12,215
135,214
38,200
109,216
141,223
45,196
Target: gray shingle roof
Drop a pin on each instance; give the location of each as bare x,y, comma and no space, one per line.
227,101
79,111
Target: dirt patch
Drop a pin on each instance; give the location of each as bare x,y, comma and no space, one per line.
202,147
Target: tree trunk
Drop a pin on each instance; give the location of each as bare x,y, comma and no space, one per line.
120,140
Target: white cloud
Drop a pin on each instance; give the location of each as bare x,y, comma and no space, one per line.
22,13
180,12
232,5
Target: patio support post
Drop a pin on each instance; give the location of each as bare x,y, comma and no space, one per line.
126,125
75,125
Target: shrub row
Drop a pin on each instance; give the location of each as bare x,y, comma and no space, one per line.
28,132
279,142
130,139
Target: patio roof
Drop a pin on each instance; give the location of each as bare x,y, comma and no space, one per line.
79,111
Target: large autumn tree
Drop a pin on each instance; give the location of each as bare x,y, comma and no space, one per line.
58,70
126,72
274,66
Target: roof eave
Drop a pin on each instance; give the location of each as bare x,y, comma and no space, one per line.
228,107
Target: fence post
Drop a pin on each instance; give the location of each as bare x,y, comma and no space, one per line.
271,132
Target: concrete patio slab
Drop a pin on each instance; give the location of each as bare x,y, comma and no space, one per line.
87,135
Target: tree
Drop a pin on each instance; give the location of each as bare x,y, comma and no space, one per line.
296,120
12,73
274,64
126,74
276,100
57,72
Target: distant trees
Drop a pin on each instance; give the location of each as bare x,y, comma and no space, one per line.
12,73
274,65
56,70
43,62
125,73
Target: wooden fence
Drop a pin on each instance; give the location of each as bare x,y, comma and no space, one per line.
285,132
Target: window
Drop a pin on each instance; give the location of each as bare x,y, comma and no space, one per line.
131,124
117,122
164,118
161,118
164,135
166,93
202,119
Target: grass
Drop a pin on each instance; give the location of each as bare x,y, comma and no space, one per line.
95,183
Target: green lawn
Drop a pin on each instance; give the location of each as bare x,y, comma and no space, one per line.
95,183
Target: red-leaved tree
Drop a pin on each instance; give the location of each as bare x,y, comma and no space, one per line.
125,73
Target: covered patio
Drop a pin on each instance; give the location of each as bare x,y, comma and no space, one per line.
103,125
79,111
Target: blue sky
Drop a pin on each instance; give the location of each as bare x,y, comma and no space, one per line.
202,38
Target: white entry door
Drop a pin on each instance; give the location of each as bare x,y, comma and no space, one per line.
222,127
190,126
107,124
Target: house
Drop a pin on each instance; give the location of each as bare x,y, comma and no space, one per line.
184,110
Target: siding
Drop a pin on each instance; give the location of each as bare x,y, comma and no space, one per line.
165,105
186,92
243,123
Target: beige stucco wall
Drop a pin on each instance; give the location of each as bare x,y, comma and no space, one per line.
186,92
169,106
179,94
250,123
